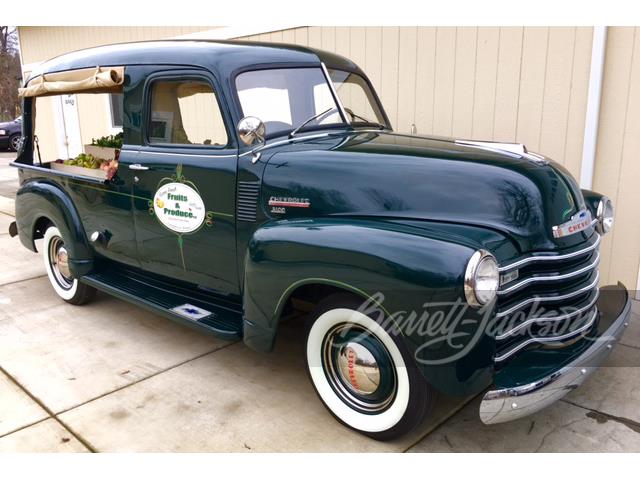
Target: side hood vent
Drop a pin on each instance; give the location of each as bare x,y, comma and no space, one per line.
248,193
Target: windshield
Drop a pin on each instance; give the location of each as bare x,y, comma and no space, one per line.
356,97
285,98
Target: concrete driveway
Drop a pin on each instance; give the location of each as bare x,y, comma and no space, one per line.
110,376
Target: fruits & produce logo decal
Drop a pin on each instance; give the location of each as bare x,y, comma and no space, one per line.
179,208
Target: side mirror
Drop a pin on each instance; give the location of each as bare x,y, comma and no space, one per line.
251,130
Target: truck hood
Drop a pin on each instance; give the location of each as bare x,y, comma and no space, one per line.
388,175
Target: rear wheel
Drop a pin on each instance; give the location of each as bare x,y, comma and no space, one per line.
56,262
363,373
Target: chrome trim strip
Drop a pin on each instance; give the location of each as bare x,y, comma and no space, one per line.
511,403
557,338
526,302
530,321
250,152
545,258
508,153
500,147
550,278
343,112
144,152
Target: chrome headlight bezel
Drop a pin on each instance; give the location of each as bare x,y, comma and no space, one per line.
604,216
474,297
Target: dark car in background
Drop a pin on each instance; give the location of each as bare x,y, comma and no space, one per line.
10,133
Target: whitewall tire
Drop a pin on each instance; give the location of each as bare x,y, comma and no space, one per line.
362,373
55,258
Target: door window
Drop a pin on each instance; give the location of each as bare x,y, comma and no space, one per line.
185,112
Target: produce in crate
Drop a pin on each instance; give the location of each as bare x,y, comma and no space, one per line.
87,160
110,167
108,141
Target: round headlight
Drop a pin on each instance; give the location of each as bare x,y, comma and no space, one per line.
481,279
604,215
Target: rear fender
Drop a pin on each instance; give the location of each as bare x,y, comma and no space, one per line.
39,199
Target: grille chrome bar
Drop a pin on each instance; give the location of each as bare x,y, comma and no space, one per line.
551,278
557,338
555,298
558,318
554,258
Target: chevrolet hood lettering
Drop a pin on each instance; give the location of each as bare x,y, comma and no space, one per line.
579,222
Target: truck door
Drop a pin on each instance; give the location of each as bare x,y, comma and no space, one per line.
184,183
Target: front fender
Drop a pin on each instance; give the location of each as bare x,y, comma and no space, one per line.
42,198
408,274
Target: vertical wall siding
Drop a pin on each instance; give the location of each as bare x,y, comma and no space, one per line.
41,43
509,84
617,173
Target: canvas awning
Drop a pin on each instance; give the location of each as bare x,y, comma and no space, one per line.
86,80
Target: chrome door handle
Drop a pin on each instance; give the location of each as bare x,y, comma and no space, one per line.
137,166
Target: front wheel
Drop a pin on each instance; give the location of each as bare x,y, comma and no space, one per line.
56,262
362,372
14,142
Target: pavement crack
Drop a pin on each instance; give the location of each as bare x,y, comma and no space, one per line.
533,424
628,346
602,417
148,377
23,280
554,430
24,426
446,439
41,404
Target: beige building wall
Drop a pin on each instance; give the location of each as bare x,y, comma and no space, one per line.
42,43
617,168
511,84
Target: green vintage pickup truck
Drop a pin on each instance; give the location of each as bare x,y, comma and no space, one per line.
256,180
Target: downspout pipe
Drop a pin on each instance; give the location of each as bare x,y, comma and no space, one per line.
594,97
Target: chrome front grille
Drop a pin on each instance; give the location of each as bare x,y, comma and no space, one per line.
550,303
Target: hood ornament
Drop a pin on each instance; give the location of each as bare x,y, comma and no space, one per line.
517,148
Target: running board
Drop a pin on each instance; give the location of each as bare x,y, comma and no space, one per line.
194,310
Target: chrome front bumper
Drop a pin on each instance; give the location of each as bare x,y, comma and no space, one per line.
506,404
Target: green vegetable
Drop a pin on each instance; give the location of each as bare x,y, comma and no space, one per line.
85,160
109,141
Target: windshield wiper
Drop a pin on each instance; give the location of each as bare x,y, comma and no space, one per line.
366,120
318,115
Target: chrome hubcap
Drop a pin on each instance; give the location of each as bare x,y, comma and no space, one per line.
359,368
15,142
59,262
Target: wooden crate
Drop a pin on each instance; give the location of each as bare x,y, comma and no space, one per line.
75,170
100,152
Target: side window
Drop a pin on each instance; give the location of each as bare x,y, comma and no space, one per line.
185,112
